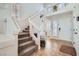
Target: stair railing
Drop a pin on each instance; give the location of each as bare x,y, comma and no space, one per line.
32,27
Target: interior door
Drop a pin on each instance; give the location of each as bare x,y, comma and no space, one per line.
65,26
54,28
76,28
76,34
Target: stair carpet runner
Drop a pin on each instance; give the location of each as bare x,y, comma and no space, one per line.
26,46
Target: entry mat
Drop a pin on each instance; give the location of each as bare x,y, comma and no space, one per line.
68,50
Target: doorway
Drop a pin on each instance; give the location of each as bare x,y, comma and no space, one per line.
76,34
65,26
61,26
54,28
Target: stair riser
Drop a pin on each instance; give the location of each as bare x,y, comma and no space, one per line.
26,46
23,35
27,28
25,40
29,53
26,31
29,48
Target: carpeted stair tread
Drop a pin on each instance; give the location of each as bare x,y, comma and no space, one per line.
24,38
29,42
22,33
25,30
27,51
26,46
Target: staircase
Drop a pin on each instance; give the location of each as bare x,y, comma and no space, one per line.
26,46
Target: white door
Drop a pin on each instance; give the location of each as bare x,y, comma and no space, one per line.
48,28
76,34
54,28
76,28
65,26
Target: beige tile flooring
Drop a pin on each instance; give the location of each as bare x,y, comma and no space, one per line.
52,48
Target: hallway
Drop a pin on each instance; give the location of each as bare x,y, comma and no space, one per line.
53,48
23,26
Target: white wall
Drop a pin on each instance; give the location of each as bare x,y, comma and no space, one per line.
27,10
8,39
3,15
6,16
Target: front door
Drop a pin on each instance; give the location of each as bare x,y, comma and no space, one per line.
65,26
76,34
76,28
